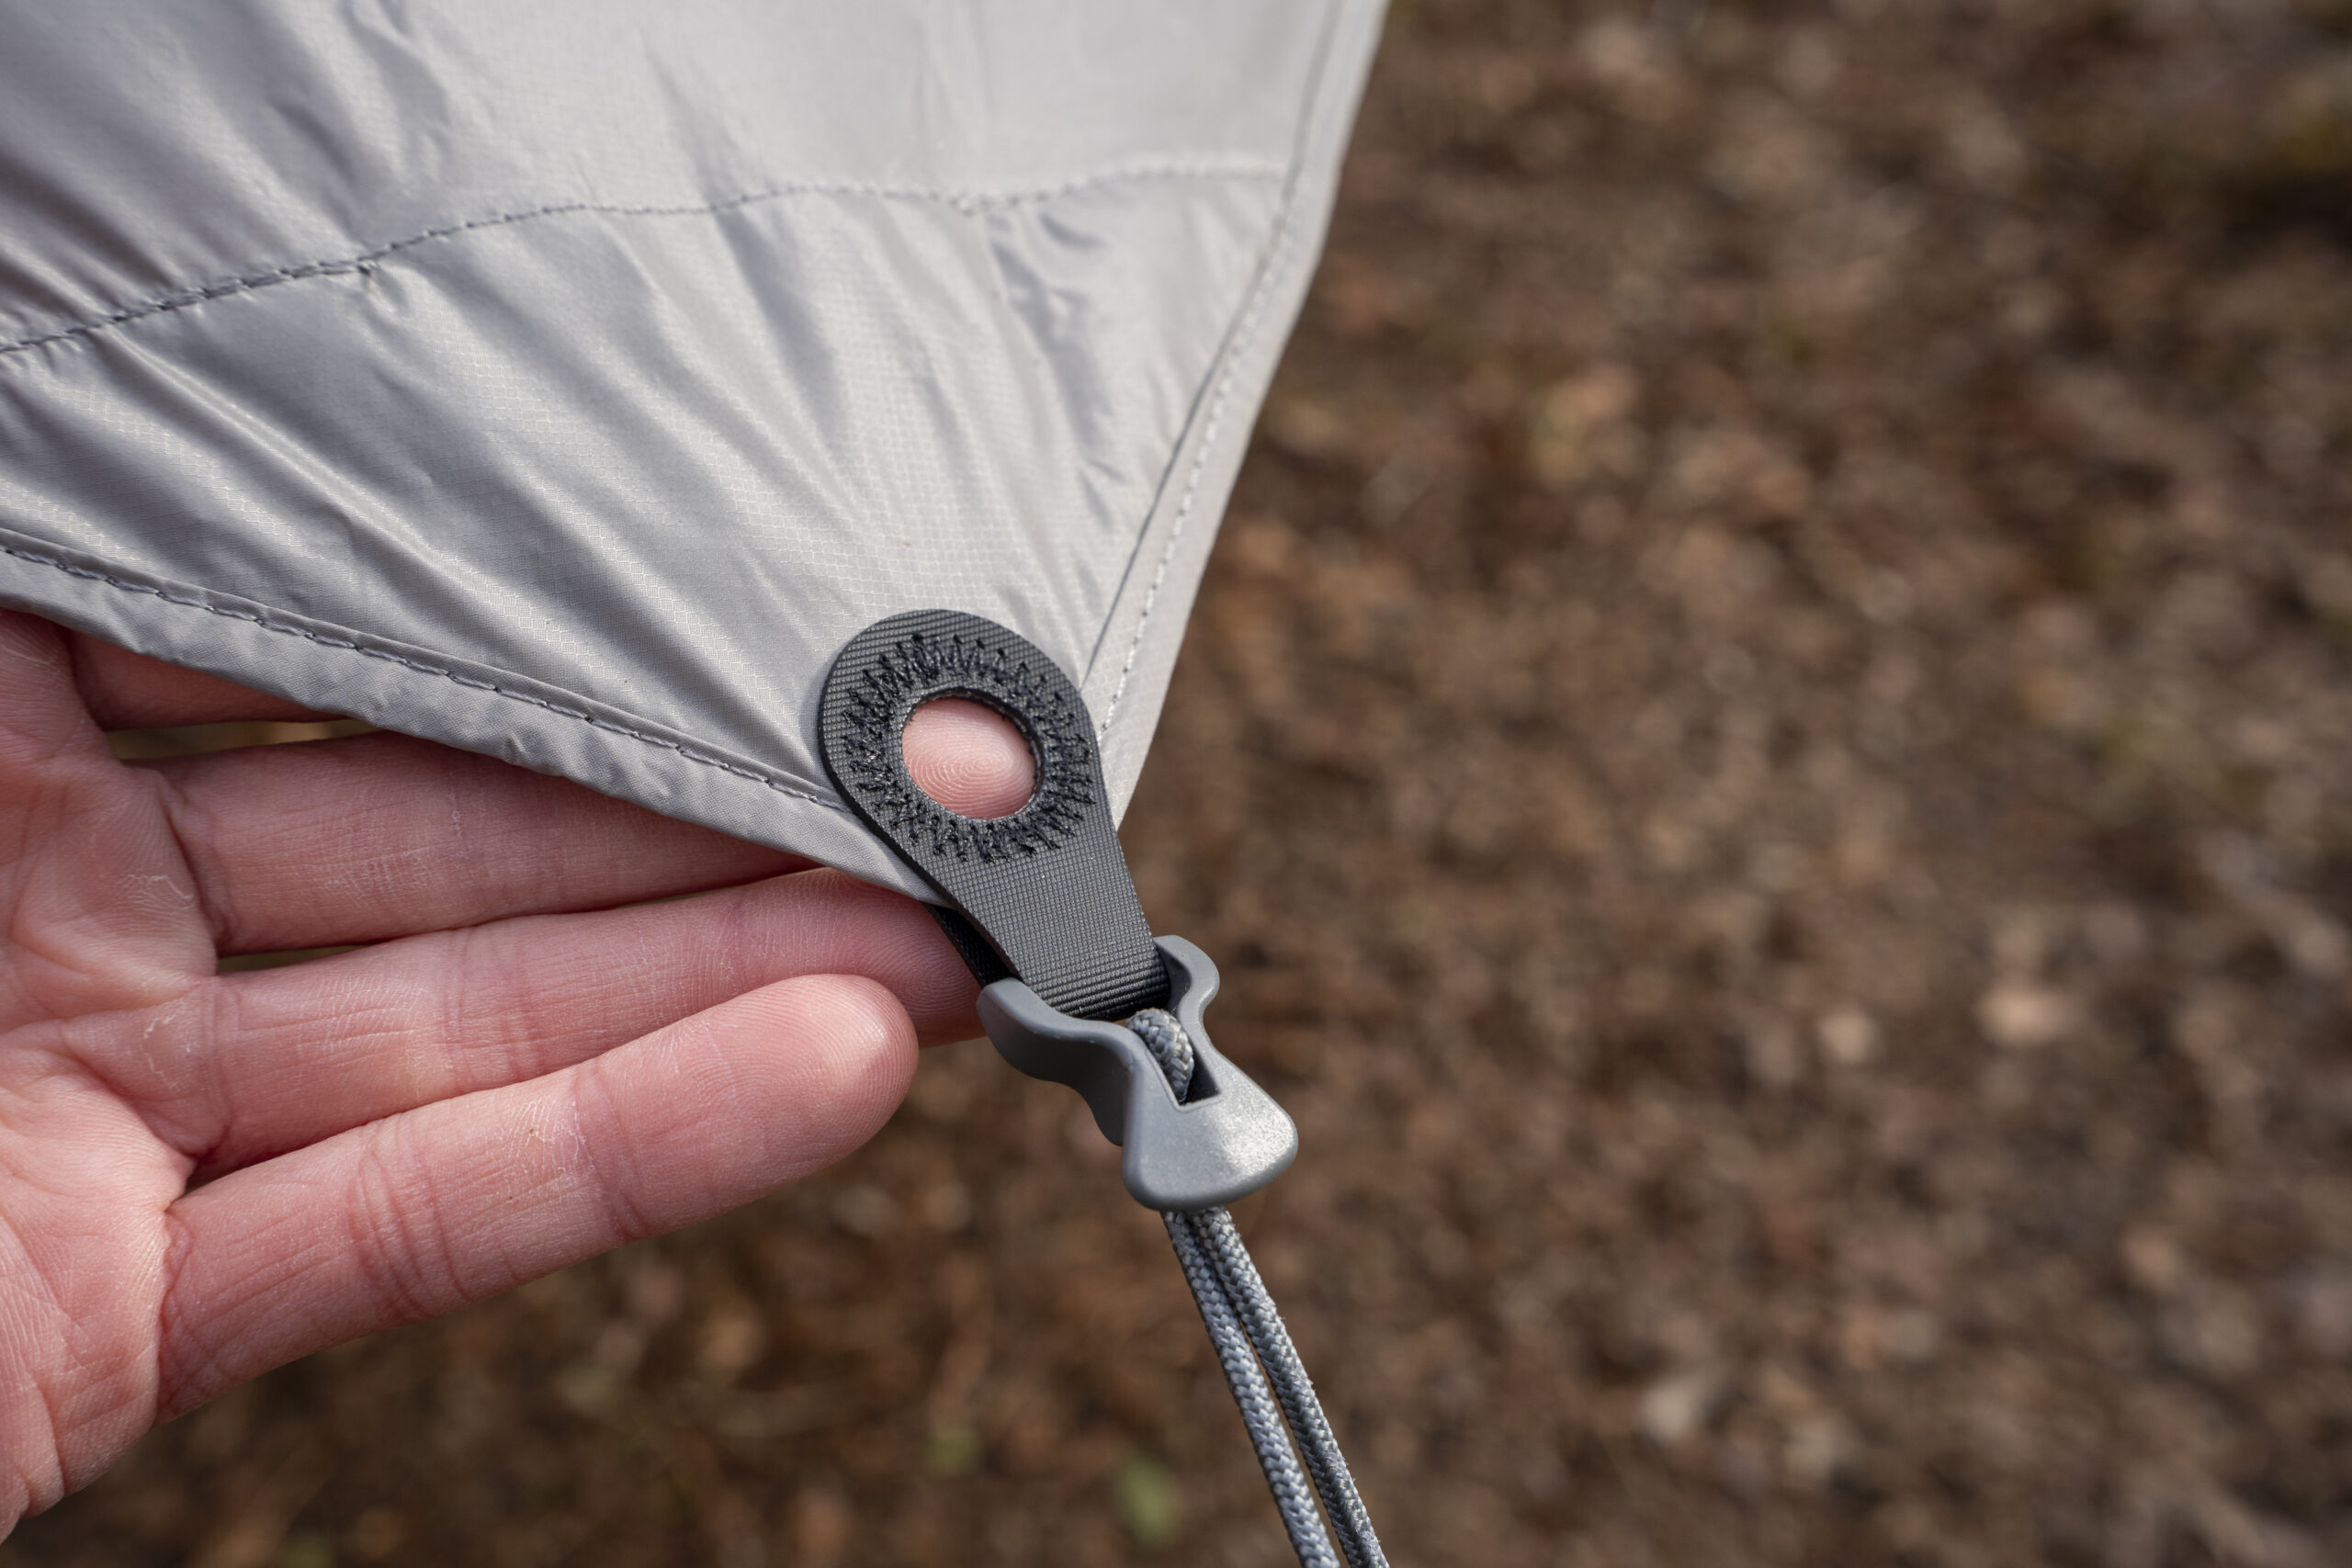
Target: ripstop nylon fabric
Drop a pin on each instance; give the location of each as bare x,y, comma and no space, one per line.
570,382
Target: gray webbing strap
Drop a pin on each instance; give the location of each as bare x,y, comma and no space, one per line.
1256,1352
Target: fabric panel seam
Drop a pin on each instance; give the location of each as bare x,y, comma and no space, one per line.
351,645
966,202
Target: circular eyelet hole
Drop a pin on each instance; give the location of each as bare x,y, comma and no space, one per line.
969,758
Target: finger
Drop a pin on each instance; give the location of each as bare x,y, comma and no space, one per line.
270,1061
96,908
128,691
455,1202
377,836
969,757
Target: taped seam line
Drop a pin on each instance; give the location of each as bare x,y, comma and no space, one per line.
347,646
966,202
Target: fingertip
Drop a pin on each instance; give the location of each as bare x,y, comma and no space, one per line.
969,758
854,927
788,1078
856,1034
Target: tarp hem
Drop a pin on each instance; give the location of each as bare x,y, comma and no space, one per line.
382,694
1207,451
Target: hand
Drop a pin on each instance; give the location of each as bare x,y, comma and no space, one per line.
203,1176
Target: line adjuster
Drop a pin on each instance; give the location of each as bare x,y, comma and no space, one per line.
1225,1139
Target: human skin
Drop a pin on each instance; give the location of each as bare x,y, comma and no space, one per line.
204,1176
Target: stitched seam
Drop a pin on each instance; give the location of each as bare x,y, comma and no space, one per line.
1276,267
966,202
468,681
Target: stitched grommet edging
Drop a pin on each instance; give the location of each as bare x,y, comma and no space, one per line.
971,201
456,677
883,693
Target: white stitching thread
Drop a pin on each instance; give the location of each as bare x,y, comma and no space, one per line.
967,201
1275,266
469,682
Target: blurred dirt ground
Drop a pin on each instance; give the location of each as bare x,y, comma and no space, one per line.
1766,753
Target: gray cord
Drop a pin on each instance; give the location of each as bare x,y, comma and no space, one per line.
1259,1414
1256,1352
1325,1464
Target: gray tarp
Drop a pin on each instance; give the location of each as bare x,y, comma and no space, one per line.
570,380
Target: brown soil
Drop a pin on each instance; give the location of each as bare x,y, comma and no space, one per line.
1766,753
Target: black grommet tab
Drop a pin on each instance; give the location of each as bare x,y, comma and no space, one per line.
1046,888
